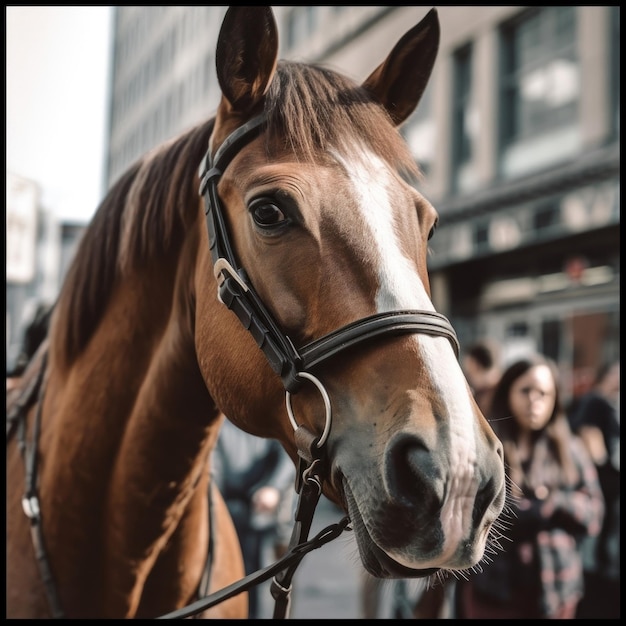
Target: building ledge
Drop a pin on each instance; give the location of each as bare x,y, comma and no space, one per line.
590,167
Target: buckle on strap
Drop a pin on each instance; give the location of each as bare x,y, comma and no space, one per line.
30,506
221,266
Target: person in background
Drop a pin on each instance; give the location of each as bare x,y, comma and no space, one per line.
554,502
596,420
256,477
481,366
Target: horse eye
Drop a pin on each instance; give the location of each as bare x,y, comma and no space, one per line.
266,213
433,229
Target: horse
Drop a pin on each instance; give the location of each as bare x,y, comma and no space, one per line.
268,266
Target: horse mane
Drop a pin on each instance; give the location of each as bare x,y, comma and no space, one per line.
310,110
146,213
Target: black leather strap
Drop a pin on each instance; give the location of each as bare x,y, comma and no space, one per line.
395,322
30,500
291,557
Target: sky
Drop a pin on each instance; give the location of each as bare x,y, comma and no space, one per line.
57,70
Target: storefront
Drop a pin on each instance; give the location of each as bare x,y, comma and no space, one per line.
537,267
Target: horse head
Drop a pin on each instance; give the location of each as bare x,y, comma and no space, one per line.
317,191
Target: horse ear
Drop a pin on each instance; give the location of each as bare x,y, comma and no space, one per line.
246,56
394,82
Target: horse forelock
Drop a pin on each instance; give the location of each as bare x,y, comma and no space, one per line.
312,110
145,214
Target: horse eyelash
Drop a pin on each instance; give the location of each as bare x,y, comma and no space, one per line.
433,229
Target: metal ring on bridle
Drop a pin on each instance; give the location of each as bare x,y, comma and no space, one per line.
324,394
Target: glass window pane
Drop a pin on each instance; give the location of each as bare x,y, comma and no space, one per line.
541,74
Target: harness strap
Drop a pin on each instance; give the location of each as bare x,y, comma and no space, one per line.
309,487
28,394
234,288
425,322
30,501
205,581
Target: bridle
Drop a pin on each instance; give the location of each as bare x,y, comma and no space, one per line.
16,421
292,364
237,293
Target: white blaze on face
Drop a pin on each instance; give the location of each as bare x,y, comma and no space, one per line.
401,288
400,285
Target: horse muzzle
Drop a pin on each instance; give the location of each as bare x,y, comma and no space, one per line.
417,510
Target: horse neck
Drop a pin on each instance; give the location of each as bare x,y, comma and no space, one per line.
126,434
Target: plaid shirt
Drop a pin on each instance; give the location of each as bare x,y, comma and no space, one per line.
544,554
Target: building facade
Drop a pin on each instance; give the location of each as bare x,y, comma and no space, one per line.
517,135
39,249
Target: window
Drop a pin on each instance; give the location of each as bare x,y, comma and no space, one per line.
546,216
517,329
481,235
540,89
463,122
551,338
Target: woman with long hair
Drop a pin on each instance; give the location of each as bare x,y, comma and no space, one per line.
554,501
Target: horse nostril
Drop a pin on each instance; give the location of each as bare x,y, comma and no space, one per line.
485,496
490,491
413,477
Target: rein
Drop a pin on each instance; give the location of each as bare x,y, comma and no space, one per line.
308,485
309,490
